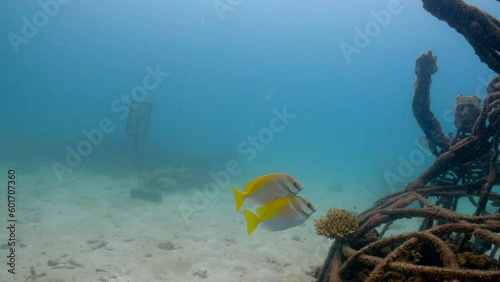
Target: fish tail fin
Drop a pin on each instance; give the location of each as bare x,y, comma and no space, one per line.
239,198
252,221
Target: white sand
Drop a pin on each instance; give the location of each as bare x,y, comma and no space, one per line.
90,230
94,224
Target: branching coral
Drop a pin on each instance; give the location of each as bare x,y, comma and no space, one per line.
336,224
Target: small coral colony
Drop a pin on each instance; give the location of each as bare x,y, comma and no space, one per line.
281,208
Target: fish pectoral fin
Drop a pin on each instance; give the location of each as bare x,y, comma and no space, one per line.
252,221
239,198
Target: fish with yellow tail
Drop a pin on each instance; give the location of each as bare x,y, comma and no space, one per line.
266,188
280,214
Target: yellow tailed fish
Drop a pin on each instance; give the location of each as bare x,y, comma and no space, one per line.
267,188
280,214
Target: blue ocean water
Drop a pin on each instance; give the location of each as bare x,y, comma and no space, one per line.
229,67
228,70
272,85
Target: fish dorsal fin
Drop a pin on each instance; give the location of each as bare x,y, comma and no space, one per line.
259,182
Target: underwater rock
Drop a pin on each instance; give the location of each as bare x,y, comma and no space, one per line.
97,244
60,263
167,179
53,262
201,273
229,240
167,245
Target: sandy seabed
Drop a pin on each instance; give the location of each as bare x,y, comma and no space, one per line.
91,230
